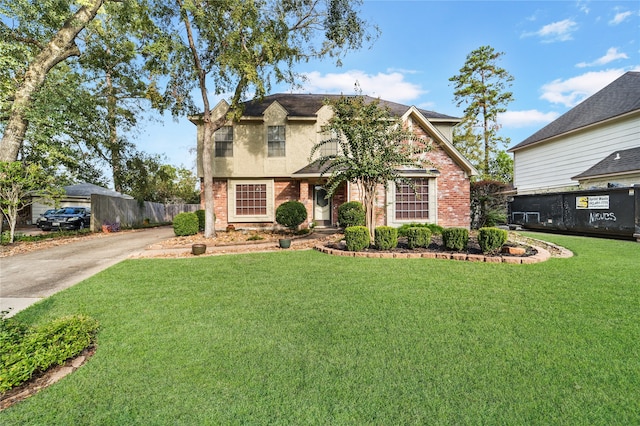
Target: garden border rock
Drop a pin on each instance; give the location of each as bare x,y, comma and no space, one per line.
541,255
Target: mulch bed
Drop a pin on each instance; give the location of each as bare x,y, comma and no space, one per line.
437,246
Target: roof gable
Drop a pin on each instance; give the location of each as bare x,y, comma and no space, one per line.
620,97
618,162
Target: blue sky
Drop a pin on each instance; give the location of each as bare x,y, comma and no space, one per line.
559,53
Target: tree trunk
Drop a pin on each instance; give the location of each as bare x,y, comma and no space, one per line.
114,146
59,48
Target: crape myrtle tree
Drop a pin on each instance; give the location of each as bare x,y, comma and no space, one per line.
20,184
374,147
238,48
482,87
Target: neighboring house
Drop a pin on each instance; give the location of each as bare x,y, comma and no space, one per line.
564,154
620,168
264,160
78,195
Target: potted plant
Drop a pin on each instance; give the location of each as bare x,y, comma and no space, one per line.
290,214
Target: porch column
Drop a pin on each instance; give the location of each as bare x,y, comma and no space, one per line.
306,199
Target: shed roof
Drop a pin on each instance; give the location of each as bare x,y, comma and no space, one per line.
85,189
620,97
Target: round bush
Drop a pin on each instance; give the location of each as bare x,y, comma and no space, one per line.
357,238
351,214
291,214
185,224
455,238
491,239
418,237
386,237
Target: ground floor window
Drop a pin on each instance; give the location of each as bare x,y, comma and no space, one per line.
250,201
412,203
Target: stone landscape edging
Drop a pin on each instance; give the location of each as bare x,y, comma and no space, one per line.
541,255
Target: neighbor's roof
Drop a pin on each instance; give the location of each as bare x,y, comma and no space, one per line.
85,189
307,105
619,162
618,98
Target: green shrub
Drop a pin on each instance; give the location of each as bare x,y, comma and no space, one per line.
185,224
200,214
491,239
357,238
351,214
455,238
386,237
418,237
435,229
27,350
291,214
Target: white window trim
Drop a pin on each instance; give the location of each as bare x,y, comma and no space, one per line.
231,201
433,203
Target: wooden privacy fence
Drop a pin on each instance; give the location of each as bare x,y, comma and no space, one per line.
106,210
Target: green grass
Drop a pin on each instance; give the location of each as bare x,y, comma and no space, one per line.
306,338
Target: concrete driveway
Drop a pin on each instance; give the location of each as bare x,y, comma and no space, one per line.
29,277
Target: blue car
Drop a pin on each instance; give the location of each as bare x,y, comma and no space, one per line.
67,218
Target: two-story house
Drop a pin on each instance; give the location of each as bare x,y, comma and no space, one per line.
263,160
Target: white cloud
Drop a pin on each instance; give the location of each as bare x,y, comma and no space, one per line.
574,90
390,86
620,17
532,117
556,31
611,55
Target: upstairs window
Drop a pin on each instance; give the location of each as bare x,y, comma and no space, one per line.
223,139
276,141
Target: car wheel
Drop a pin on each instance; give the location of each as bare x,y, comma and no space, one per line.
81,225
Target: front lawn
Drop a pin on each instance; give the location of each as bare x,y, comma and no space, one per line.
306,338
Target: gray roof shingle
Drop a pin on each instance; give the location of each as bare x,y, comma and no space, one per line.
623,161
307,105
620,97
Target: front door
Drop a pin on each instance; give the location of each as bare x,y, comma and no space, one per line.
321,207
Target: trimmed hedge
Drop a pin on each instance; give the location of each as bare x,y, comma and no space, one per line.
456,239
25,350
418,237
435,229
491,239
185,223
386,237
291,214
351,214
357,238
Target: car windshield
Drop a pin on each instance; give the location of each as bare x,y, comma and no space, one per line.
69,210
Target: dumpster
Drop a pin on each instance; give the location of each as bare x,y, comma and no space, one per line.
612,212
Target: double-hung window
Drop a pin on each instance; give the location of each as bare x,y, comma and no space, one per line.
276,141
223,138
